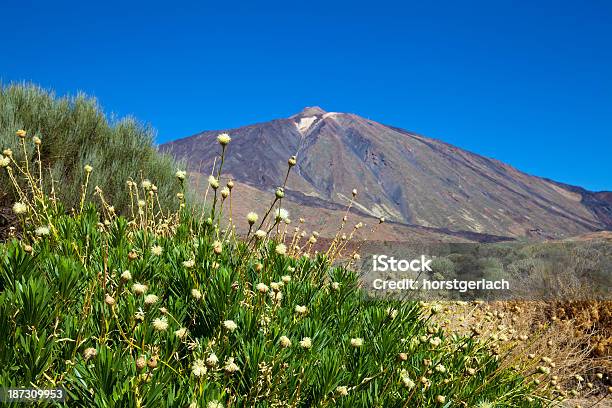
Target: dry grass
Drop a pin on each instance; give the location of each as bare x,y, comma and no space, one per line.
575,336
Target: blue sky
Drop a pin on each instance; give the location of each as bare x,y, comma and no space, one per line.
525,82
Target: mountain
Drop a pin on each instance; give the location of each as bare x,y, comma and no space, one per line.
409,179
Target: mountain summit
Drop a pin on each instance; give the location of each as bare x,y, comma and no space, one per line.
402,176
310,111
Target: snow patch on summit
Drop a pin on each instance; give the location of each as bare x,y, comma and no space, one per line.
330,115
305,124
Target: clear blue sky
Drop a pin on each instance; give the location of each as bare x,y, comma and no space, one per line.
526,82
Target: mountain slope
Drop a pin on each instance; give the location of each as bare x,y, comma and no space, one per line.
400,175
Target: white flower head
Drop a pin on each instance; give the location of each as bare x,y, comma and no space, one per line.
230,325
408,383
281,249
262,287
88,169
4,161
157,250
286,278
301,309
160,324
212,360
89,353
214,404
198,368
139,288
140,314
181,174
230,366
151,299
190,263
252,218
306,343
146,184
435,341
357,342
285,342
260,234
181,333
224,139
41,231
214,183
126,275
281,214
19,208
196,294
276,297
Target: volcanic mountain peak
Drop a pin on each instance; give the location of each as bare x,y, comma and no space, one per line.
406,178
310,111
309,116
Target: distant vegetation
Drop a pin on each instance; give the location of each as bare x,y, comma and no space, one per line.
571,270
75,132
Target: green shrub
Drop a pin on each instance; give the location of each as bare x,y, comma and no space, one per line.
54,307
75,132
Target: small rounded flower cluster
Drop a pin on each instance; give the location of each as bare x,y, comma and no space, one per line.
42,231
230,366
224,139
213,182
139,288
301,310
281,215
230,325
252,218
306,343
357,342
285,342
160,324
20,208
4,161
199,368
